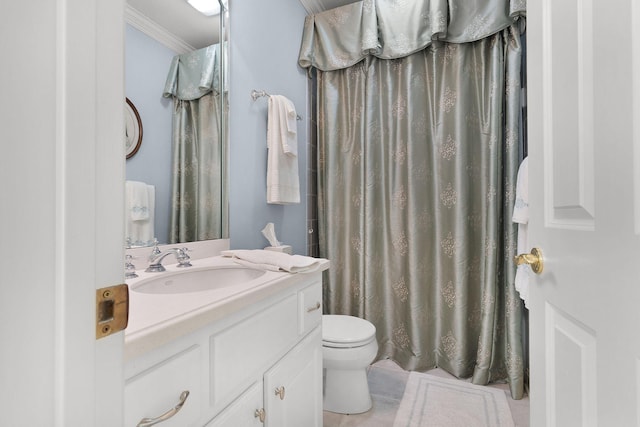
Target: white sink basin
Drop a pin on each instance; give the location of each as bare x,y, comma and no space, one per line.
187,281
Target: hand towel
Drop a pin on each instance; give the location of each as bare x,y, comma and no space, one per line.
137,200
141,232
521,217
283,183
273,261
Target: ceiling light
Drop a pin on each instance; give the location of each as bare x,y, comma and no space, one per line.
206,7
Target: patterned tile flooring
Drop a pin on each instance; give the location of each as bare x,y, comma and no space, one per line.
386,384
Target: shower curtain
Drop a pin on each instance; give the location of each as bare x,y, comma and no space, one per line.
196,205
418,113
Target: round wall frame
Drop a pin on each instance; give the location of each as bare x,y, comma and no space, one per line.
132,129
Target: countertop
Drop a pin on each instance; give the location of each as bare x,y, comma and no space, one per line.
156,319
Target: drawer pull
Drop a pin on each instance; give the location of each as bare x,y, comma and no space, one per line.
260,414
280,392
314,307
147,422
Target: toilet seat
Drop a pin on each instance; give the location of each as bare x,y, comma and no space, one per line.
340,331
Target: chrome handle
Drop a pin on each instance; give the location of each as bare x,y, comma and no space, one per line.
534,259
147,422
280,392
260,414
314,307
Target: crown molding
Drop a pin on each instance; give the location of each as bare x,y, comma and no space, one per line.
141,22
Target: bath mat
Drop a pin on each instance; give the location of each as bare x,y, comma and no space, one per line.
430,401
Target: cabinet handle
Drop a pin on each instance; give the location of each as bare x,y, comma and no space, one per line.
314,307
280,392
147,422
260,414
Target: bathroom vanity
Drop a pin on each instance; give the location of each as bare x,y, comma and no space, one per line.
248,354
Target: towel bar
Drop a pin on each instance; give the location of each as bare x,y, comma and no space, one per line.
255,94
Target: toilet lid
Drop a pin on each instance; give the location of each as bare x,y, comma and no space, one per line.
346,331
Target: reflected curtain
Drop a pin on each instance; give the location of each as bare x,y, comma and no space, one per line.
196,197
417,160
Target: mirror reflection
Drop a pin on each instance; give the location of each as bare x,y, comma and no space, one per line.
175,68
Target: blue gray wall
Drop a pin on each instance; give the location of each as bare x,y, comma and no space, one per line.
265,41
146,65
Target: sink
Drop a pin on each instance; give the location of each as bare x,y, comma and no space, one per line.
200,280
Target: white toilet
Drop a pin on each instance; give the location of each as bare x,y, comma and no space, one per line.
348,347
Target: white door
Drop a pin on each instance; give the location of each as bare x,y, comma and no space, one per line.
61,169
584,309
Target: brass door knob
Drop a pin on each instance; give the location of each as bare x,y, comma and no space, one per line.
534,259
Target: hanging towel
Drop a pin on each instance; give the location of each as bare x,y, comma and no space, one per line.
273,261
139,231
283,183
137,200
521,217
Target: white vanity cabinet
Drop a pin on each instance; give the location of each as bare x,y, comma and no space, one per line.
255,366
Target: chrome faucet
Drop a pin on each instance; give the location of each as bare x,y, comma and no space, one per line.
155,259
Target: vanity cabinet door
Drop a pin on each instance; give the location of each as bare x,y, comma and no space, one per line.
293,387
241,353
244,411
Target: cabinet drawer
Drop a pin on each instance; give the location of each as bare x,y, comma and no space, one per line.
156,390
309,307
239,354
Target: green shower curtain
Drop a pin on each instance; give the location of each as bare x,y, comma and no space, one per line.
418,158
196,197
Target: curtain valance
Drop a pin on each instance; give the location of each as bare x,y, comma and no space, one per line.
388,29
194,74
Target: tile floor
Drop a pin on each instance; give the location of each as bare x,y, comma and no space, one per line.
386,384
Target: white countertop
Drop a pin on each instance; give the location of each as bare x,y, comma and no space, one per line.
156,319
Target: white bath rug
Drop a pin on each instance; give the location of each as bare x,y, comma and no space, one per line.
430,401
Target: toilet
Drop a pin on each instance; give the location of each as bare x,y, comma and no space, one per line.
348,347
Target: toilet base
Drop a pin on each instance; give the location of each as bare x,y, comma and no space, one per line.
346,391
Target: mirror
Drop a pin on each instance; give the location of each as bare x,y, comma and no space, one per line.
157,32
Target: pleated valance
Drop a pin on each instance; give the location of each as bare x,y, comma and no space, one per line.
388,29
194,74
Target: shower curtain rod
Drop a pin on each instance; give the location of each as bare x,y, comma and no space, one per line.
255,94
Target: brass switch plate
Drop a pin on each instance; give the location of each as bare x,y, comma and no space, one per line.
112,310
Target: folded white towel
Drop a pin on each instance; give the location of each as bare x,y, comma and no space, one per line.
137,200
288,125
273,261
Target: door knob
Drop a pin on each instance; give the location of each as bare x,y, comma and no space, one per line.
534,259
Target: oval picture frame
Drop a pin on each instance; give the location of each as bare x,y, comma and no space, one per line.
132,129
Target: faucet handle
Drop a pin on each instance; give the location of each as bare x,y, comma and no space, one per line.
155,251
183,258
129,268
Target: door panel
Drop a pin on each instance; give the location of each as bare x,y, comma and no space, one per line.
568,109
571,370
